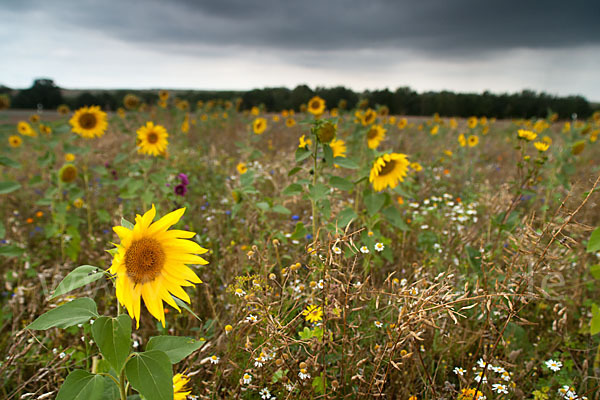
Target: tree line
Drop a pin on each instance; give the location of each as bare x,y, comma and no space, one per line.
403,101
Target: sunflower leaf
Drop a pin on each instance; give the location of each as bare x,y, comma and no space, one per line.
81,385
77,278
126,224
175,347
8,162
8,187
184,305
151,374
113,337
72,313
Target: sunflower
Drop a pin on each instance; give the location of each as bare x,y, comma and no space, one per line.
313,313
473,140
150,262
180,391
416,166
163,95
152,139
34,118
289,122
4,102
375,135
388,170
89,122
326,132
242,168
259,125
541,146
304,142
131,101
462,140
316,106
183,105
527,135
25,129
255,111
15,141
338,146
45,129
472,122
68,173
402,123
63,109
368,117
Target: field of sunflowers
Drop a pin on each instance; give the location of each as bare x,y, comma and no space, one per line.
207,251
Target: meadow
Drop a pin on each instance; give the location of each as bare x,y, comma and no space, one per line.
205,251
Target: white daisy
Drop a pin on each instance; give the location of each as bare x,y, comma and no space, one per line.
379,246
364,250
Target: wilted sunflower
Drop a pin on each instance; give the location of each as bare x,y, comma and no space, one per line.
326,132
131,101
388,170
577,147
68,173
63,109
152,139
15,141
25,129
4,102
89,122
375,135
259,125
316,106
150,262
180,392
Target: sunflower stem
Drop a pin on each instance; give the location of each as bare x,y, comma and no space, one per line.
122,389
88,207
314,182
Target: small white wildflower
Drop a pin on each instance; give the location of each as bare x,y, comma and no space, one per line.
459,371
252,318
303,374
214,359
378,324
247,378
239,292
479,377
379,246
62,354
364,250
336,250
499,388
265,394
554,366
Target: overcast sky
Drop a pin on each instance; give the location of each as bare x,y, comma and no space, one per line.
461,45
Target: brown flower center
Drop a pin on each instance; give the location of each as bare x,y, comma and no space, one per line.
372,134
152,138
387,168
68,173
88,121
315,105
144,259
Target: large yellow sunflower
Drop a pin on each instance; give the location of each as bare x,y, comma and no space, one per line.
150,263
152,139
316,106
259,125
375,135
180,392
388,170
89,122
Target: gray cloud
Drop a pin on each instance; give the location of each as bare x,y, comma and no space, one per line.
460,27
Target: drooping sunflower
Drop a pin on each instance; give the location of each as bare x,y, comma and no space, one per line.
375,135
68,173
388,170
259,125
131,101
180,392
150,263
89,122
63,109
152,139
25,129
316,106
15,141
326,132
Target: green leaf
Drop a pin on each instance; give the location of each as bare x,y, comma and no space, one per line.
595,322
299,232
278,208
8,162
247,179
305,334
294,171
374,202
175,347
318,384
595,271
292,189
394,217
302,154
103,215
594,242
8,187
263,205
77,278
11,251
2,230
185,306
345,216
345,163
327,154
126,224
81,385
113,337
341,183
72,313
151,374
317,191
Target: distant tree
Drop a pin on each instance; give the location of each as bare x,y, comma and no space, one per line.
43,91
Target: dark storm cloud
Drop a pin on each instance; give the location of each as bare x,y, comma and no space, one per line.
430,26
